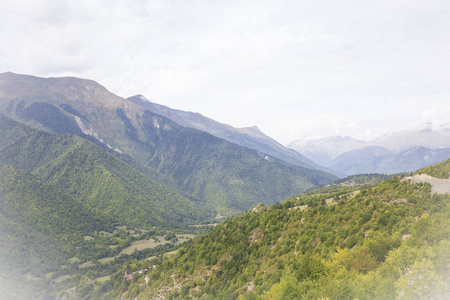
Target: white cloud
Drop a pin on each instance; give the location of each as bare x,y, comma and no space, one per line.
294,68
438,115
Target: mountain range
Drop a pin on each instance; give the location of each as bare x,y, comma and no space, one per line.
250,137
98,191
99,179
225,176
391,153
78,162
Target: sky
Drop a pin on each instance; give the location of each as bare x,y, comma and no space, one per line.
296,69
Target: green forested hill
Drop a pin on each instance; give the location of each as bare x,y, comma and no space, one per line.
27,200
109,184
229,177
39,227
375,242
96,178
441,170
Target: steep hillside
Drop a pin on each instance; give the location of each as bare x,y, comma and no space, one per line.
98,179
251,137
230,177
225,175
27,200
39,229
371,242
441,170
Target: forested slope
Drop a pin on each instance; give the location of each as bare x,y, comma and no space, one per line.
373,242
96,178
226,176
441,170
39,225
230,177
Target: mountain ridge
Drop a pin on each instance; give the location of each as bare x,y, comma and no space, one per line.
85,108
344,154
89,174
249,137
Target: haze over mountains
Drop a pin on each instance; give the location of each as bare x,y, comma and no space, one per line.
68,144
403,151
388,154
140,129
229,177
250,137
88,177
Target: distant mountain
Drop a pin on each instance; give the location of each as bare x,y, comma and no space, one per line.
427,136
324,150
365,158
381,160
226,176
413,159
249,137
391,153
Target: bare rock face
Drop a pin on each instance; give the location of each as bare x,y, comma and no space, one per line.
440,186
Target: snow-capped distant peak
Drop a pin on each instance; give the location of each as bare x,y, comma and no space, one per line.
429,135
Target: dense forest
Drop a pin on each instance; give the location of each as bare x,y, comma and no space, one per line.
97,178
51,242
373,242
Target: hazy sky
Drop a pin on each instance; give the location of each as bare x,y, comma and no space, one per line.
296,69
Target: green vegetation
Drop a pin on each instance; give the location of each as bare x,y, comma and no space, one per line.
40,227
97,178
373,242
230,177
50,242
28,201
361,179
441,170
226,177
79,221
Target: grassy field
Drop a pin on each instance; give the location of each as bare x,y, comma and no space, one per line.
151,243
105,260
86,264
